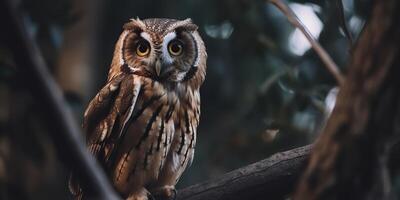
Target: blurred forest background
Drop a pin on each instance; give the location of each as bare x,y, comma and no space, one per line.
265,89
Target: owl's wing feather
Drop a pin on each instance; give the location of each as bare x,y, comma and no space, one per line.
108,126
100,106
105,118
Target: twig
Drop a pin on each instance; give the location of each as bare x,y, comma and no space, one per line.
64,131
326,59
343,23
272,178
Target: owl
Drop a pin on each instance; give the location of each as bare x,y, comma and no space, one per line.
142,125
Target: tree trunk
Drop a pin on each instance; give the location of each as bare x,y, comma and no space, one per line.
349,160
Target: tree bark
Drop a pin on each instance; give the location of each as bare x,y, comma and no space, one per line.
349,160
272,178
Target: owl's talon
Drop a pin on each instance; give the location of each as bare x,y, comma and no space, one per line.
168,193
150,196
175,193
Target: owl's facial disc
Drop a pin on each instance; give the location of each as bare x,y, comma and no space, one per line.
175,48
177,55
166,52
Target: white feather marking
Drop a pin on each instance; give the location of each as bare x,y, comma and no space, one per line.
167,38
104,131
87,111
113,87
175,162
198,41
136,89
140,22
191,159
121,56
132,69
197,96
146,36
180,76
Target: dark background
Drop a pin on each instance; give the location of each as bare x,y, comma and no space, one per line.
265,90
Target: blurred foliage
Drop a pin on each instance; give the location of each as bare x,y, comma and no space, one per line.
259,97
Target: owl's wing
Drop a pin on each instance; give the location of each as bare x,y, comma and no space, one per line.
105,117
108,112
100,106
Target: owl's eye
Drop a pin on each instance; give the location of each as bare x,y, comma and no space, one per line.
142,48
175,47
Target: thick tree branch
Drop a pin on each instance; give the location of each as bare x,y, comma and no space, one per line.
65,132
272,178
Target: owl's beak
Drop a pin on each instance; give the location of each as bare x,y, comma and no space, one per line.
158,67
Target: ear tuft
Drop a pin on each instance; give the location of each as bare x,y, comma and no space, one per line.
185,25
134,25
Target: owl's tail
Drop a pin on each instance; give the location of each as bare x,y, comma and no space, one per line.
75,188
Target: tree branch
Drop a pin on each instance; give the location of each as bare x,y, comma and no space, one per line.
326,59
343,23
272,178
65,133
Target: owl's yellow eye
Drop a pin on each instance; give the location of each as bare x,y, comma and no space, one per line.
142,48
175,47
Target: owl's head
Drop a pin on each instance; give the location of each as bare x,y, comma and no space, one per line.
166,50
